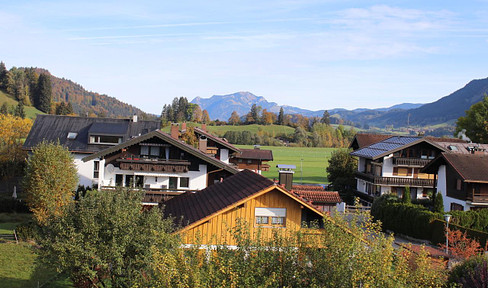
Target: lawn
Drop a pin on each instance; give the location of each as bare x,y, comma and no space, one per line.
310,170
30,111
19,266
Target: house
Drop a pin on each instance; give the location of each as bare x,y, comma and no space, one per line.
160,164
462,179
252,159
206,217
323,200
390,165
84,136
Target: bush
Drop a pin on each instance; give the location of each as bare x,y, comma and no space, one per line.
27,231
473,219
438,203
471,273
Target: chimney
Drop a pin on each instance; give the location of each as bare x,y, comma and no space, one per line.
134,118
175,133
183,127
202,144
204,127
286,175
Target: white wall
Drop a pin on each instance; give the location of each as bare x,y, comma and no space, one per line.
85,170
387,170
224,155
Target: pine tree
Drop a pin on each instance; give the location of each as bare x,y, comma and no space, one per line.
406,195
3,76
4,109
325,118
19,110
44,93
281,117
438,203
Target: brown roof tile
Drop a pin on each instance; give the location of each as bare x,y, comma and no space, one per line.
472,167
362,140
266,155
319,196
192,207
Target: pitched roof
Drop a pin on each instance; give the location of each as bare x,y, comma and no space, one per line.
266,155
317,197
167,138
201,205
53,128
362,140
216,139
391,145
471,167
460,146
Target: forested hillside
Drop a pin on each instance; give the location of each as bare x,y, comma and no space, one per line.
36,87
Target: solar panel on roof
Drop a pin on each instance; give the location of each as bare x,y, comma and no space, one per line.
109,128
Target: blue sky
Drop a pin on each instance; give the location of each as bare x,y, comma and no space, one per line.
305,53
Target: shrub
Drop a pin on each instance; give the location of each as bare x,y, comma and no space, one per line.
471,273
438,203
27,231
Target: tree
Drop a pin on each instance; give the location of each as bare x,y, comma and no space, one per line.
4,108
281,117
197,114
3,76
19,110
205,117
107,239
406,197
13,131
325,118
44,93
475,123
341,169
438,203
268,118
300,136
234,118
50,181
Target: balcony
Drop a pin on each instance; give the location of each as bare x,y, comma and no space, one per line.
477,198
153,164
410,162
395,181
154,195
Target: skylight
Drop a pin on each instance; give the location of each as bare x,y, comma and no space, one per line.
72,135
453,148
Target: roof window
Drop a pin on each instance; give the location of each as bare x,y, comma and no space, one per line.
452,148
72,135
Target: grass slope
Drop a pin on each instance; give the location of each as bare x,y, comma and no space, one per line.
30,111
254,128
315,161
19,266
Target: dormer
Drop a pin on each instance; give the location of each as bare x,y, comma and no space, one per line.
107,133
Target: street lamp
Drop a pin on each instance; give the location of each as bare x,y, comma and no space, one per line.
447,217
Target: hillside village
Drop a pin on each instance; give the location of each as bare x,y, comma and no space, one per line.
204,192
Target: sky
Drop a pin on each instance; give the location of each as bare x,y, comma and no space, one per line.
306,53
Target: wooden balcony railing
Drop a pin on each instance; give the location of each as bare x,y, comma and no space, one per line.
396,181
477,198
154,164
401,161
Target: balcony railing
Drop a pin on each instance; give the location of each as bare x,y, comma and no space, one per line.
401,161
395,181
153,164
477,198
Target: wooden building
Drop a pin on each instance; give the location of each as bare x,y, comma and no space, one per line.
208,216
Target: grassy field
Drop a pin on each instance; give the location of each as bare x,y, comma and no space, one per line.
30,111
314,162
19,266
254,128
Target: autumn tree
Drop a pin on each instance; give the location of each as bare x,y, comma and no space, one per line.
13,131
106,239
205,117
475,123
461,246
44,93
234,118
50,181
267,118
197,114
63,109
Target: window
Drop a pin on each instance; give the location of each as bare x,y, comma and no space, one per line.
129,180
399,171
173,182
72,135
96,169
109,140
270,217
119,179
184,182
150,151
459,184
457,207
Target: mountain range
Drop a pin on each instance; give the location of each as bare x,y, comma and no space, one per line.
445,110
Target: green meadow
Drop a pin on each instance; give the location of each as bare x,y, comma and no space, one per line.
30,111
310,162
